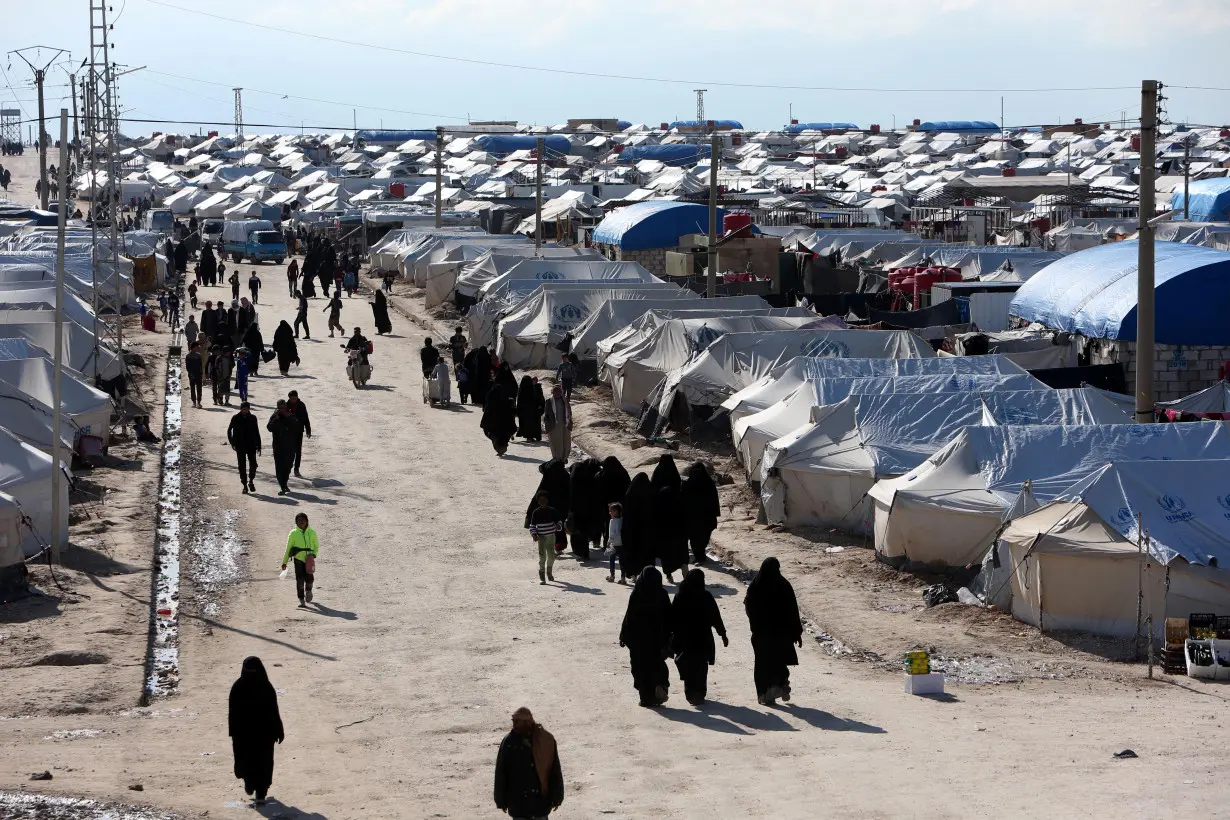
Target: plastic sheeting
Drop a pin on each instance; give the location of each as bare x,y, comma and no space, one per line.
959,127
80,346
653,224
1210,200
1094,293
675,154
499,145
1215,399
590,340
499,260
25,474
833,390
570,270
948,509
16,300
782,381
634,371
529,333
88,408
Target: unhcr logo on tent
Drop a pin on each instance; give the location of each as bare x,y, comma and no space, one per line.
1015,415
566,317
1123,519
824,348
551,275
703,338
1224,501
1176,508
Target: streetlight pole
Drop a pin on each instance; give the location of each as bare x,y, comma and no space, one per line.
439,175
538,198
40,74
1145,364
715,143
57,475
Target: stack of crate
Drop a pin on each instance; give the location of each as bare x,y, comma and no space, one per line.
1173,662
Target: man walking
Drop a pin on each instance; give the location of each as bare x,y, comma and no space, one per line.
191,330
244,436
194,365
299,410
254,287
529,782
457,344
292,275
335,315
302,547
301,316
558,422
287,432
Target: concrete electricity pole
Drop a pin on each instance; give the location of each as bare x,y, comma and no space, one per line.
439,175
1187,177
715,152
40,74
1145,358
538,199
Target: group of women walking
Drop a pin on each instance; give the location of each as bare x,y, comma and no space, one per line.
656,628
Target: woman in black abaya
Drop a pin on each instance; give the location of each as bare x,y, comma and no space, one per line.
255,343
284,345
638,525
588,514
666,474
255,725
530,405
773,614
613,483
646,632
499,419
694,617
380,311
670,535
701,509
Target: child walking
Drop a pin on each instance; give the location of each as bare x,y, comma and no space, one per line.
242,365
544,524
615,541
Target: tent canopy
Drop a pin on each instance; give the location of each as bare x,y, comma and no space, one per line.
576,270
1210,200
617,314
653,224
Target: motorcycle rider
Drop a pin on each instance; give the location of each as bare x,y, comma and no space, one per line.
360,343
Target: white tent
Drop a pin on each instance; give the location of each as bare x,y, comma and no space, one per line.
820,472
617,314
1215,399
781,382
89,409
20,302
215,206
25,474
570,270
185,199
527,336
40,266
11,553
501,259
1075,563
737,360
948,509
80,346
30,420
831,391
634,371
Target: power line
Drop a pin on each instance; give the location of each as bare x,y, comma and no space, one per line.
629,77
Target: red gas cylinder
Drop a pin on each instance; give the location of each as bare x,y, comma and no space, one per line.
397,189
737,223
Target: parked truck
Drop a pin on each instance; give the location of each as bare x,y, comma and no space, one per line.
255,240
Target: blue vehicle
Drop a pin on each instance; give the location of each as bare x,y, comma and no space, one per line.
254,240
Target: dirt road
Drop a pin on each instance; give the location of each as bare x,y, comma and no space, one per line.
430,628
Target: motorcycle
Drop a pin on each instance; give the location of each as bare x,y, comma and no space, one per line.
356,371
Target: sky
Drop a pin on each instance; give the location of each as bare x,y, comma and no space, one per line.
863,61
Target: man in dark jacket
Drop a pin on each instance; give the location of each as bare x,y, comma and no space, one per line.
528,780
287,432
194,365
300,411
209,322
430,356
245,439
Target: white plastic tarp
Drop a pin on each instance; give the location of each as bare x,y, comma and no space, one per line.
528,334
25,474
79,346
831,391
634,371
17,299
948,509
618,314
11,531
498,261
1215,399
89,409
40,266
31,421
567,270
645,326
783,380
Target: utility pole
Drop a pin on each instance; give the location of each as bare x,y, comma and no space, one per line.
1145,363
57,475
238,114
439,175
1187,177
40,74
538,199
715,151
72,81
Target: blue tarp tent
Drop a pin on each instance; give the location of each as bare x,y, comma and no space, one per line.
1210,200
960,126
654,224
820,126
1093,293
394,137
503,144
728,124
675,154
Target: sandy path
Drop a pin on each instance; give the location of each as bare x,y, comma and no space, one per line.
432,628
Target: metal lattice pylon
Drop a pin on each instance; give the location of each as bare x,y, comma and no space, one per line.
10,126
102,128
700,106
239,114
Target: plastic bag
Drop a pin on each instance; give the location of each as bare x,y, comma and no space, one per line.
284,573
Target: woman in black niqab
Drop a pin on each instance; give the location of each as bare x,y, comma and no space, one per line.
529,410
504,376
670,535
646,632
588,514
701,509
284,345
613,483
666,474
638,525
255,343
499,421
380,312
254,726
694,617
773,614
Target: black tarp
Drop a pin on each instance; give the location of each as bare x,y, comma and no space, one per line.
944,313
1106,376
